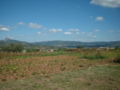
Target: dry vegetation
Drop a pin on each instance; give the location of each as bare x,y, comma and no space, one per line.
17,66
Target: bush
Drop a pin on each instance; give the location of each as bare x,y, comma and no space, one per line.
117,58
13,48
95,55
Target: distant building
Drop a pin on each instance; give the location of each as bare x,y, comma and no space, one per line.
105,48
50,50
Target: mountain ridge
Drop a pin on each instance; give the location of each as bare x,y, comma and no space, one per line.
60,43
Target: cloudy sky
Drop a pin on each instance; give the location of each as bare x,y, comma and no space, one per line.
73,20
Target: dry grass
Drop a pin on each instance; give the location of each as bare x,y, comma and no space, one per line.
67,70
12,66
20,68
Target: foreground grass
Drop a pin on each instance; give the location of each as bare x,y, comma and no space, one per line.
14,55
61,70
92,78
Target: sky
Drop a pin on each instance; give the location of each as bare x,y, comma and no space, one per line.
68,20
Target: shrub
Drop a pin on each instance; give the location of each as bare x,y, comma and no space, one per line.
95,55
13,48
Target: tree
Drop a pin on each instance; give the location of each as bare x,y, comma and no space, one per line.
14,47
80,46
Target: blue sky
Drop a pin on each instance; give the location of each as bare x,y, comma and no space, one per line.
73,20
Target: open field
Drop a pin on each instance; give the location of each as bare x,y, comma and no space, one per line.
59,44
78,69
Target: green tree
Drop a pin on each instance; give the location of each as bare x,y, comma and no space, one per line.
80,46
14,47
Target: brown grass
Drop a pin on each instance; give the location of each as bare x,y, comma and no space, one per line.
20,68
16,68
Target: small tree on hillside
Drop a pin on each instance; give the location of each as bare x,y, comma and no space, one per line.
79,46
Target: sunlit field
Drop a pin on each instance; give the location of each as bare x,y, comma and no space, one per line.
66,69
59,44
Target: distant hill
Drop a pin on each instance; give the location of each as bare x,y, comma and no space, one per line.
63,44
72,44
10,41
59,43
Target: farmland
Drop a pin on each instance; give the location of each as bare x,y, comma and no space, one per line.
79,69
59,44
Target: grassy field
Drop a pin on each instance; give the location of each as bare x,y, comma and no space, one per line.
77,69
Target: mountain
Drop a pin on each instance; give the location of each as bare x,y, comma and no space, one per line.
73,44
10,41
62,44
59,43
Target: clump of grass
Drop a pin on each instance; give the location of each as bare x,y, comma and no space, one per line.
9,67
35,73
117,58
63,68
3,79
22,75
93,56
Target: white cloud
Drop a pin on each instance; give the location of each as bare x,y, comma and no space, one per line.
4,28
91,35
68,33
94,36
35,26
74,30
21,23
107,3
39,33
97,30
55,30
8,38
99,18
77,32
83,32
